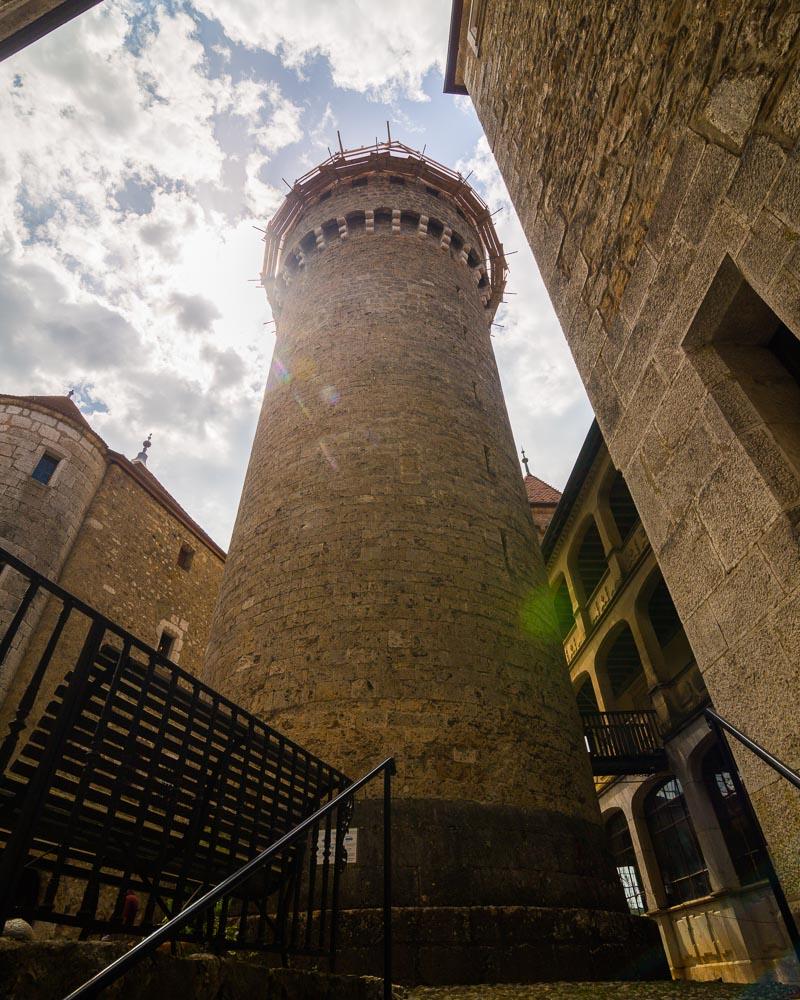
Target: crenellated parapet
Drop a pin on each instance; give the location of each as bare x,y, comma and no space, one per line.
408,194
380,221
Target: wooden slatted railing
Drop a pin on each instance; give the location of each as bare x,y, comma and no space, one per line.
623,742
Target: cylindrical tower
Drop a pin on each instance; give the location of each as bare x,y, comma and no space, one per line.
384,592
52,464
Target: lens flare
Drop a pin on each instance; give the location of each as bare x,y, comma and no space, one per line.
329,395
327,455
537,614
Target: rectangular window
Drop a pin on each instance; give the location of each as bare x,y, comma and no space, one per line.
185,557
165,644
475,28
750,362
45,468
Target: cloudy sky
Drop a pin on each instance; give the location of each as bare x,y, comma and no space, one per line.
142,142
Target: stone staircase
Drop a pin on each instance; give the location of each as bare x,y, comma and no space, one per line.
609,991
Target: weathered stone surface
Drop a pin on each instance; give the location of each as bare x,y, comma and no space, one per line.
52,969
18,930
653,129
607,991
485,944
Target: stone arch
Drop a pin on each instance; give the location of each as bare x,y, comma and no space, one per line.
681,866
585,692
616,496
662,627
562,602
587,559
619,669
621,844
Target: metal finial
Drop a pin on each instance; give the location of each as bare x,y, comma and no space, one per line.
70,394
141,458
525,463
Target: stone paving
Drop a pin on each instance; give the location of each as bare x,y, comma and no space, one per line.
608,991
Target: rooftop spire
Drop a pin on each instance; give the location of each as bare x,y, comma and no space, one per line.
70,394
141,458
525,463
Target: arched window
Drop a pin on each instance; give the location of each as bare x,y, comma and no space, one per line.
586,698
619,840
622,662
741,839
591,559
623,509
563,606
680,861
663,615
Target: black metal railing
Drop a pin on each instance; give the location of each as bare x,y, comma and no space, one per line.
623,742
128,789
222,892
720,727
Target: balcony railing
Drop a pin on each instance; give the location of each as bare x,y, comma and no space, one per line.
624,742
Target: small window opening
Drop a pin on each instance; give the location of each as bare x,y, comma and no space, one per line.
45,468
360,182
185,557
165,644
487,454
397,180
432,191
325,195
475,25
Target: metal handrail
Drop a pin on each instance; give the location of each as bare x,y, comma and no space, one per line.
148,945
719,726
777,765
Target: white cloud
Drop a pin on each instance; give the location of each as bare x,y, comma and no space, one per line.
377,48
121,267
547,404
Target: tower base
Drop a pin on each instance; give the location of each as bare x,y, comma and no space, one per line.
437,946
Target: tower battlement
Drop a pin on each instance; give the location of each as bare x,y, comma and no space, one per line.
384,189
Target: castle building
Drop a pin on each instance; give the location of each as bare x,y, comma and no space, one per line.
683,844
384,592
651,154
542,498
102,527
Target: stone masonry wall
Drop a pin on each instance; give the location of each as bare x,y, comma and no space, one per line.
651,153
124,564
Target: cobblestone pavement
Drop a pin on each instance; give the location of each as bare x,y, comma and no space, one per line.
607,991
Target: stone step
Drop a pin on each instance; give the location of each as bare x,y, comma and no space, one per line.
608,991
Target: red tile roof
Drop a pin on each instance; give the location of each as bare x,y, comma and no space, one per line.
539,492
62,405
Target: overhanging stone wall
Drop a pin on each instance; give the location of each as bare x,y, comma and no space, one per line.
651,153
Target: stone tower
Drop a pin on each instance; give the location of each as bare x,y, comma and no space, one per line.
384,591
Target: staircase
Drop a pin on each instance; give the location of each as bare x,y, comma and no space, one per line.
137,801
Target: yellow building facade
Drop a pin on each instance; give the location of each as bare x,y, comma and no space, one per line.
685,850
